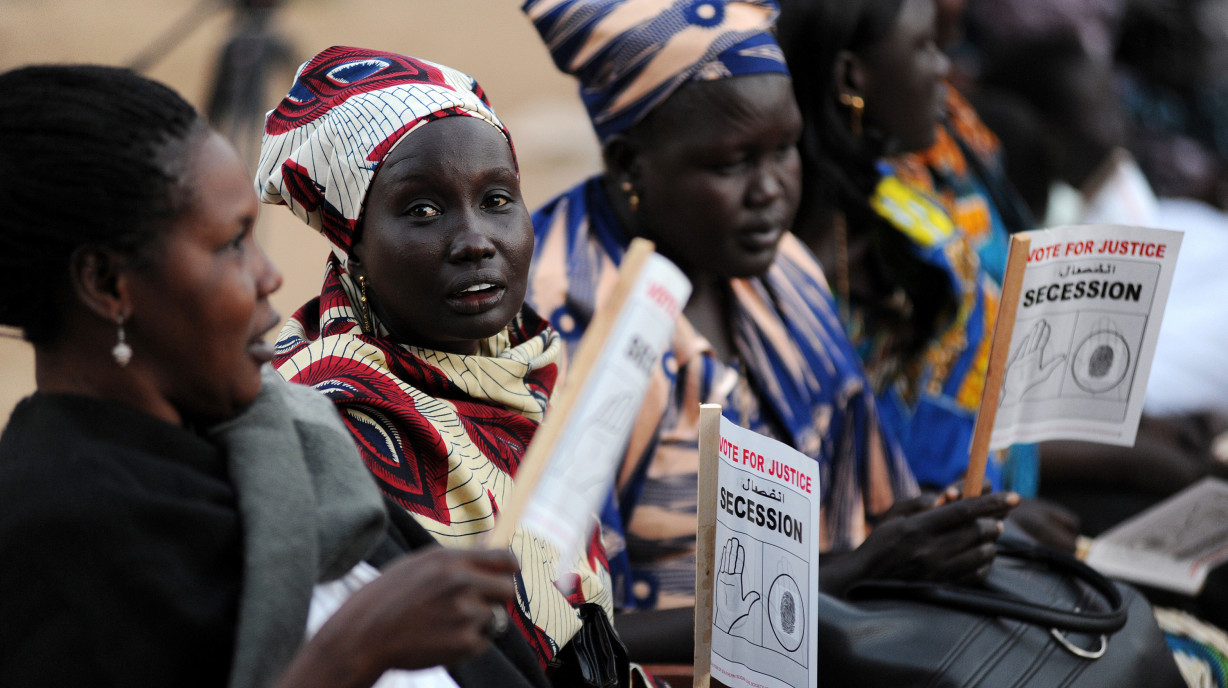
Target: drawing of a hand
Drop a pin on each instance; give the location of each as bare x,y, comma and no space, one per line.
732,608
1027,366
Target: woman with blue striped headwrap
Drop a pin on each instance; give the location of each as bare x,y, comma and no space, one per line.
694,108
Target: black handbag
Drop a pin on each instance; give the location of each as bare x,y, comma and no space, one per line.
1042,618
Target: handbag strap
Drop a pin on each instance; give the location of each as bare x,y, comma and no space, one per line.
994,603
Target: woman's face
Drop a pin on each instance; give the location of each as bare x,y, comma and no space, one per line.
718,174
903,90
446,239
200,309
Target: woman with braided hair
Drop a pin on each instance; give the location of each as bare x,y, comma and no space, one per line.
173,512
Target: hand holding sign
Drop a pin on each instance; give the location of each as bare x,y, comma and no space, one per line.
732,608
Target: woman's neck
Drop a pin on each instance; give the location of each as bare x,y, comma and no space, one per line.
708,308
708,312
81,370
815,226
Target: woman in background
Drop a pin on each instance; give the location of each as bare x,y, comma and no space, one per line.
695,112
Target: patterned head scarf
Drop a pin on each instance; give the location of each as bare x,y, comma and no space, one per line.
630,55
346,111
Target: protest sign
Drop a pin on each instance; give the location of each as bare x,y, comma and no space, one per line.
757,575
570,465
1089,312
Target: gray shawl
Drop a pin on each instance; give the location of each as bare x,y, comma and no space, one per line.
310,512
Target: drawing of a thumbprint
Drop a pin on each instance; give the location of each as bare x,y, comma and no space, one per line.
1101,361
788,613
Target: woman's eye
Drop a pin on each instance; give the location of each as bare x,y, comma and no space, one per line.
423,210
728,166
784,150
497,201
239,241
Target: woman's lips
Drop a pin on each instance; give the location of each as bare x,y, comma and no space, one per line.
477,292
258,348
761,239
477,298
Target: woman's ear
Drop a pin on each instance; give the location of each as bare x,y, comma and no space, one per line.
849,75
620,153
100,282
353,261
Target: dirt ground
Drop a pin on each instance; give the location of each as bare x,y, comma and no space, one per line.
489,39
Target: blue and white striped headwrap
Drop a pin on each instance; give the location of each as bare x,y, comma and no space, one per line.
630,55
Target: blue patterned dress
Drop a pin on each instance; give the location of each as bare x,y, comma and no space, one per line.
795,377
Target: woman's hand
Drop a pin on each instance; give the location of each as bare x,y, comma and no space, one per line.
925,501
1050,524
434,607
949,542
431,607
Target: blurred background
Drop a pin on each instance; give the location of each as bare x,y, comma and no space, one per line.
1101,106
182,43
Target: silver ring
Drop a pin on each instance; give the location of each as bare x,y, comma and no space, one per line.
498,621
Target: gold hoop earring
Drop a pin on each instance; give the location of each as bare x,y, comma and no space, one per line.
364,308
633,199
857,106
121,352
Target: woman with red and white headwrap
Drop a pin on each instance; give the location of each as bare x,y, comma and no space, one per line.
419,335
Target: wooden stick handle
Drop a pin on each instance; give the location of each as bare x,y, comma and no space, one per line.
705,547
542,447
999,350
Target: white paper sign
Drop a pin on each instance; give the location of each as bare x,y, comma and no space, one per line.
578,476
766,577
1085,333
1172,545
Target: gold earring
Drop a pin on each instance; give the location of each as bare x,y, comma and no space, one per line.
121,352
364,308
856,105
633,199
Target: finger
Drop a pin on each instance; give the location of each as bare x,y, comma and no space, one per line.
953,492
725,557
1053,363
1042,337
955,542
995,505
1025,344
971,562
474,623
740,560
493,587
492,560
975,577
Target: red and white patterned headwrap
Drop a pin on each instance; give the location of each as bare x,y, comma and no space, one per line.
346,111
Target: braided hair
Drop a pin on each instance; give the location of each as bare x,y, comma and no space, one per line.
812,34
90,156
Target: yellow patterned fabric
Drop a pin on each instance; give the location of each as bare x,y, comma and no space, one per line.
444,435
930,401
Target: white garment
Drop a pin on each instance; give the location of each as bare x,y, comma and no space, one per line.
1190,369
327,598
